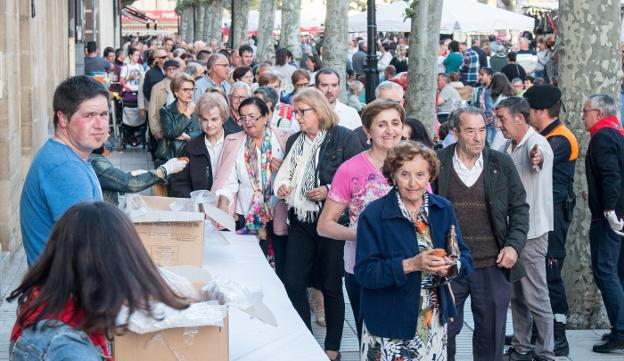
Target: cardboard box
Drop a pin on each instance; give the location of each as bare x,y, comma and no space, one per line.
171,238
205,343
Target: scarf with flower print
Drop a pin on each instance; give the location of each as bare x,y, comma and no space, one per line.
259,213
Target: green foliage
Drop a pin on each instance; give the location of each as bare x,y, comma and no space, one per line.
410,10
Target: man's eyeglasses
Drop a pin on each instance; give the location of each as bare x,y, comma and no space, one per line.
301,85
225,65
161,57
300,112
585,111
238,97
250,118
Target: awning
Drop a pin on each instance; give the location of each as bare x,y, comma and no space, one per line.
136,15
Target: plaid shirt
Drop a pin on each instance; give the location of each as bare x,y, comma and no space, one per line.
470,69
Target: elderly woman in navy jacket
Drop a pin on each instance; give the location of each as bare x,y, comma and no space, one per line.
409,246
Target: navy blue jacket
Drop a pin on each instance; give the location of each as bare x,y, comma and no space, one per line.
390,298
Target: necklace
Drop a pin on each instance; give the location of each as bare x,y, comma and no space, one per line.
374,159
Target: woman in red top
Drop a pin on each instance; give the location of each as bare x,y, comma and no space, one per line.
68,302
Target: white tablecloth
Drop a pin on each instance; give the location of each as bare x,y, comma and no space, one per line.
250,339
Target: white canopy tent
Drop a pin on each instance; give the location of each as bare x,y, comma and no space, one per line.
457,15
305,23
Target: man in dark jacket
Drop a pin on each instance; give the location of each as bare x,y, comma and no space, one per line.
605,183
155,74
545,105
493,215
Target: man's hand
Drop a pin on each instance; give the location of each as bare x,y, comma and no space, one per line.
317,194
616,224
507,257
537,158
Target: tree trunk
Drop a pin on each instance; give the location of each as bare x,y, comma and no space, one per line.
208,19
335,41
183,24
241,12
266,50
585,70
187,26
422,64
216,15
200,12
289,32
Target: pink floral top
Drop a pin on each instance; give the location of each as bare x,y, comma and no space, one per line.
356,183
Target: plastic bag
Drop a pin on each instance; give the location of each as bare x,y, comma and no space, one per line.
180,285
165,317
133,205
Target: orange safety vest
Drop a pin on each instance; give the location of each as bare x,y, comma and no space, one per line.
563,131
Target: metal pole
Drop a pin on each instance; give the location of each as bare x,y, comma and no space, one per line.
232,26
372,73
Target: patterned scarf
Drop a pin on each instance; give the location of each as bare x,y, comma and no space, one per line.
259,213
306,210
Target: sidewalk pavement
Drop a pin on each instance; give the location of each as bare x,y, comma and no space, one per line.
581,341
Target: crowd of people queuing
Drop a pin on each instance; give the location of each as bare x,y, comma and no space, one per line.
415,225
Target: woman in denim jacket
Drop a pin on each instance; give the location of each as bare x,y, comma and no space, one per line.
70,299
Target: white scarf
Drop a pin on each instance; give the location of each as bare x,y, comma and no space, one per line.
306,210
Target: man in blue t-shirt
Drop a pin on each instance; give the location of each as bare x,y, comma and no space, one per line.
60,175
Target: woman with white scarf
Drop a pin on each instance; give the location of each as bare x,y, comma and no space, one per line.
313,156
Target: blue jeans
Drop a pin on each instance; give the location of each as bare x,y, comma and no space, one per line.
491,132
607,255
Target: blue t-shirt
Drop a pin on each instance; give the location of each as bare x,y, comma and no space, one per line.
57,179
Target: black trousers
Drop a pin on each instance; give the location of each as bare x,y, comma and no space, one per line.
490,295
307,251
354,290
554,261
279,249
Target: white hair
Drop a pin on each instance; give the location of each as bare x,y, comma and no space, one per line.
241,85
388,86
606,104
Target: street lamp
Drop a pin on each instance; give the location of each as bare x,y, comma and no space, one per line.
372,73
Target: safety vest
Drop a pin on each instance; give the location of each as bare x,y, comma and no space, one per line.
563,131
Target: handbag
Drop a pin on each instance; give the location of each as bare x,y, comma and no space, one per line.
164,149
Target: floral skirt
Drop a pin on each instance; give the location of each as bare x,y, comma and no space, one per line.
429,343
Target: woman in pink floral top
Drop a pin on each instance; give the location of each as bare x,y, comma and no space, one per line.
358,182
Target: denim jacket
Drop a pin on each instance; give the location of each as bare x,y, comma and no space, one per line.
114,180
60,342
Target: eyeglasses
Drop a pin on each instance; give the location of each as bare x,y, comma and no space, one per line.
585,111
187,90
250,117
301,85
225,65
238,97
161,57
300,112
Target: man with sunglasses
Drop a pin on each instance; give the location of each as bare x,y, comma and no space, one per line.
218,71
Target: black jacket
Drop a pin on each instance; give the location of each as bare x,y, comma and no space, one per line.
198,173
152,77
605,172
505,198
340,144
362,137
482,57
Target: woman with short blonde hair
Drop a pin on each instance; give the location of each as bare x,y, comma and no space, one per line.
204,150
313,98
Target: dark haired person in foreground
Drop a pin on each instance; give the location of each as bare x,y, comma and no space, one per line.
60,174
70,299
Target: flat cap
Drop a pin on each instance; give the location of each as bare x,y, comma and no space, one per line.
169,63
542,96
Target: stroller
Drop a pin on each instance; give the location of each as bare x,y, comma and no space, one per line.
133,126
